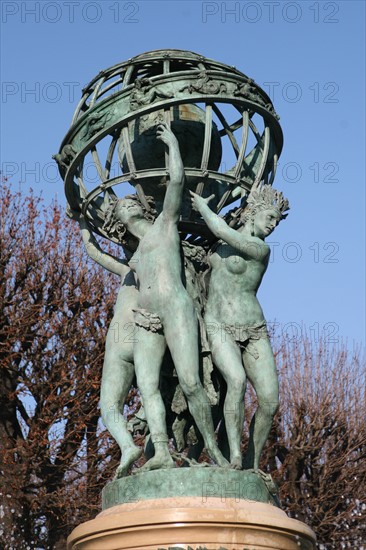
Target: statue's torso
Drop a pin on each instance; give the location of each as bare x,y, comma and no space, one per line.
233,286
158,266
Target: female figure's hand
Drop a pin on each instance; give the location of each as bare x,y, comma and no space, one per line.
165,134
199,202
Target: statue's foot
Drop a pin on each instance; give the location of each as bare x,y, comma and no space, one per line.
189,461
158,462
129,456
217,457
235,463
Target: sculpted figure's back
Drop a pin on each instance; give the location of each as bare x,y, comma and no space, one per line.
118,368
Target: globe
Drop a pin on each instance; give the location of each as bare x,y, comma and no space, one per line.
188,124
227,128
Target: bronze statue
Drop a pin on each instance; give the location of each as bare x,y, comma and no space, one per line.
118,368
234,318
168,305
165,315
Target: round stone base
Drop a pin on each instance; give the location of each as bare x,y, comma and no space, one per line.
189,523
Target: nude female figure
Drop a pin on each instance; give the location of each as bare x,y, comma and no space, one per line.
165,315
234,318
118,368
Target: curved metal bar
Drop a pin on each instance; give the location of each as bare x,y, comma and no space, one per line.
79,107
223,200
132,167
264,157
244,141
87,198
234,126
254,130
101,188
156,172
110,154
97,163
95,94
83,189
229,133
128,150
119,70
128,74
207,141
274,169
110,86
116,105
256,133
166,66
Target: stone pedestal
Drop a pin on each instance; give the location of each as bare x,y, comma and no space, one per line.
220,516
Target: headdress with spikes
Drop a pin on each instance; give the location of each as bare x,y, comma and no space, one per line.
264,197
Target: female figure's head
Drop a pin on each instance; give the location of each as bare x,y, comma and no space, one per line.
122,215
265,209
264,222
127,210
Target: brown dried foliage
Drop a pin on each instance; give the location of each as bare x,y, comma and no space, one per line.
317,447
55,307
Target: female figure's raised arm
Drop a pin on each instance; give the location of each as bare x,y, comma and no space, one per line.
173,196
249,247
94,251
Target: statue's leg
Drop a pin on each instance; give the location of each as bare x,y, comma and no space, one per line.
181,332
226,356
118,372
148,356
263,376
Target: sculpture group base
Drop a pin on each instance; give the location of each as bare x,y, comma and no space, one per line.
192,523
196,481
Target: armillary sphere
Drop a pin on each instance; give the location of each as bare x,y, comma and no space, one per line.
228,133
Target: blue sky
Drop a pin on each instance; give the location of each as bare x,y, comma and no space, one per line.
309,57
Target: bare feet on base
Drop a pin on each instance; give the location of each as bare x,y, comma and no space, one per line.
215,454
235,463
129,456
160,461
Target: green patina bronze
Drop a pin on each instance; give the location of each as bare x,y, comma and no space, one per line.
165,85
201,482
190,327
